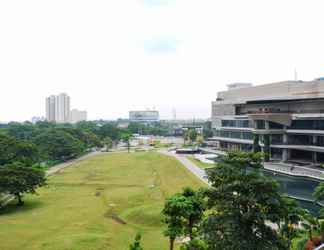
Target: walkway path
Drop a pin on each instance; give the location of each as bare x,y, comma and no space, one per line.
200,173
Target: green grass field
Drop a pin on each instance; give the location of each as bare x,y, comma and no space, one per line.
200,164
99,203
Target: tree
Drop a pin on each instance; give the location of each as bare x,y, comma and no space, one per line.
137,243
196,244
310,223
193,210
183,213
193,135
56,144
22,131
126,137
319,192
172,217
109,130
17,179
13,150
241,201
289,225
200,140
256,145
108,143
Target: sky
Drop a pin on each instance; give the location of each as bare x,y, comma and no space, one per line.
112,56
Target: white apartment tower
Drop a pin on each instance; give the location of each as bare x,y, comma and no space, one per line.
50,108
58,108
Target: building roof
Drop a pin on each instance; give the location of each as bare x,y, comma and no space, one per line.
286,90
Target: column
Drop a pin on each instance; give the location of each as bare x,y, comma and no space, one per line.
285,150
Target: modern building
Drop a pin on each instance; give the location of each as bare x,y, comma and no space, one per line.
144,116
284,119
58,108
78,116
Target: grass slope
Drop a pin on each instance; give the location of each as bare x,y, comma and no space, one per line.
100,203
200,164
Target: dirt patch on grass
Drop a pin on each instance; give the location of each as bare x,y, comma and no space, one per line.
97,194
115,217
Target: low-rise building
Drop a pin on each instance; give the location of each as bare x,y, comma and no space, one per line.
284,119
144,116
78,116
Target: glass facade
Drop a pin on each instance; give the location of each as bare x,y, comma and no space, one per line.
234,134
274,125
300,140
307,124
236,123
276,139
260,124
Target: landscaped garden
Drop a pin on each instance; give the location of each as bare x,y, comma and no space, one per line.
200,164
99,203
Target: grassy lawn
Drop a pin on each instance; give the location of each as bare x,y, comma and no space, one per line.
200,164
100,203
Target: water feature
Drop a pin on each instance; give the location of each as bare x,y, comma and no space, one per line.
299,187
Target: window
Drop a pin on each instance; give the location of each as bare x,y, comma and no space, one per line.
260,124
274,125
236,123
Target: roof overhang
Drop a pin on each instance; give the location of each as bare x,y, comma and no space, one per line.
281,118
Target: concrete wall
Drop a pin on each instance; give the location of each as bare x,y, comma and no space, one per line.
287,89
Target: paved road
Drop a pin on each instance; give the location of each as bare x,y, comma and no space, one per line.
200,173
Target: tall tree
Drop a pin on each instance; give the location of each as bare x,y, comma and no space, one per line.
17,179
241,201
126,138
172,217
193,210
183,213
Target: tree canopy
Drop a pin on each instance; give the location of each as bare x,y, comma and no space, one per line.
17,179
241,202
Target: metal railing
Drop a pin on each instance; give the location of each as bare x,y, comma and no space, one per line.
320,247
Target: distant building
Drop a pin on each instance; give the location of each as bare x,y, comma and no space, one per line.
58,108
78,116
36,119
285,119
62,108
50,108
144,116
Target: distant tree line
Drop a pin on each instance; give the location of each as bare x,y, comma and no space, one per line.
27,150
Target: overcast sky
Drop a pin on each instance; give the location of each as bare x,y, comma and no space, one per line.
113,56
